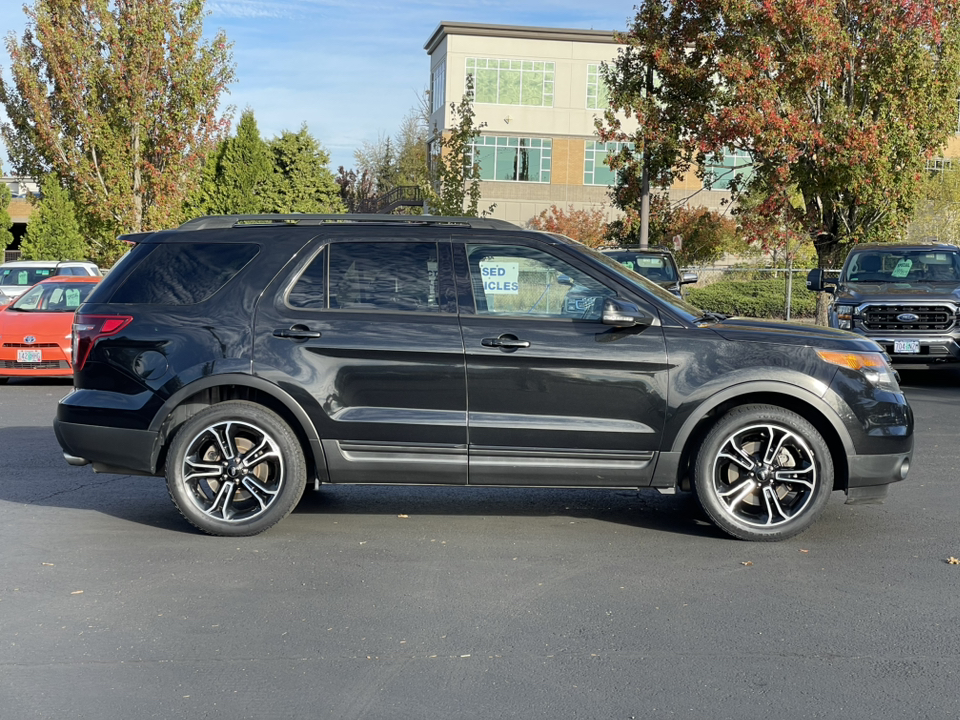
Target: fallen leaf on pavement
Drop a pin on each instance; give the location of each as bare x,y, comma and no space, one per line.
953,561
77,592
747,563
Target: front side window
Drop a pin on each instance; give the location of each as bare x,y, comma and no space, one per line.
500,81
383,276
511,159
595,168
521,281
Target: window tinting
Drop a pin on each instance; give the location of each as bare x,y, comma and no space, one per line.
384,276
24,276
183,273
519,280
308,292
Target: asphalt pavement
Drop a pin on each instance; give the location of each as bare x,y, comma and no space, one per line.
372,603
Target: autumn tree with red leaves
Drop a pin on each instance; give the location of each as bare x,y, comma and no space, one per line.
836,103
121,99
586,226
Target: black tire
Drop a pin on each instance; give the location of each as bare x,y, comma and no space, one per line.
4,380
763,473
235,469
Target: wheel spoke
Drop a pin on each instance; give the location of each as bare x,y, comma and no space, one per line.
740,493
772,503
258,491
774,446
221,508
737,455
221,434
200,470
792,477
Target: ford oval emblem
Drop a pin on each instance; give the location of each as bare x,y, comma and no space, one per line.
29,339
907,317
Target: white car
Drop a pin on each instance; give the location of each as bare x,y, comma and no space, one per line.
16,277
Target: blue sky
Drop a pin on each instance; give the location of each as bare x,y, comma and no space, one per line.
349,69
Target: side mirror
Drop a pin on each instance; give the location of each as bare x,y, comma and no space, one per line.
687,278
564,280
620,313
818,283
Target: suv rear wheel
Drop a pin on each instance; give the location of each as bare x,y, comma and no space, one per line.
235,469
763,473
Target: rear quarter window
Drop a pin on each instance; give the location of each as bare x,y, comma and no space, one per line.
180,273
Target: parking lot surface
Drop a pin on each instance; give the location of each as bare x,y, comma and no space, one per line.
371,603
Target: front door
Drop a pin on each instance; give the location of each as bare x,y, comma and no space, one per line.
554,396
365,332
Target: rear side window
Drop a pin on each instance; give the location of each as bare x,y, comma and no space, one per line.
183,273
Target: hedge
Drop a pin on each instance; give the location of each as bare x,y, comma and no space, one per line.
756,298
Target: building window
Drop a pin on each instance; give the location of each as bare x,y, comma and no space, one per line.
598,96
511,159
595,168
438,81
725,166
512,82
939,164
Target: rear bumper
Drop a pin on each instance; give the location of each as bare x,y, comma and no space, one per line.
109,449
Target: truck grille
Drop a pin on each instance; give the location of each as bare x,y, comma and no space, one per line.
930,318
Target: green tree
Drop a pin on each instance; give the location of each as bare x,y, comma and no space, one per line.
938,212
835,102
236,175
53,232
6,237
301,181
120,98
455,180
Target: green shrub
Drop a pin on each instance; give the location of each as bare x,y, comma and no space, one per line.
757,298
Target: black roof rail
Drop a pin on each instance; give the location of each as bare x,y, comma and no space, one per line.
277,220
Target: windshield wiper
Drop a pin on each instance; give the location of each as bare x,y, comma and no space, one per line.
711,317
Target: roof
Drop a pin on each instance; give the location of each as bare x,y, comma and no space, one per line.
47,263
873,247
71,279
516,31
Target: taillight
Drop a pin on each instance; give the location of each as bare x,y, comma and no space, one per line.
87,329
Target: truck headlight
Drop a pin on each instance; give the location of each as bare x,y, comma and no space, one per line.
875,367
844,316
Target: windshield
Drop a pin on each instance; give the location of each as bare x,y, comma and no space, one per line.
54,297
24,276
652,267
684,309
914,266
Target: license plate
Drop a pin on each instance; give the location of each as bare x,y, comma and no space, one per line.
906,347
29,356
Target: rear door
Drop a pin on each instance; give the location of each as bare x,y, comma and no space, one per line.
364,330
555,396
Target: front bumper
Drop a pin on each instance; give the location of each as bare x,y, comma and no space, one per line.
933,349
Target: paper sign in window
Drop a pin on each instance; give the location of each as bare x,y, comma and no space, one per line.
500,278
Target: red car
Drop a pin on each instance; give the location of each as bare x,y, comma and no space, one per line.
36,329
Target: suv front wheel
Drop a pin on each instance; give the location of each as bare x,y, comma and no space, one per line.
235,469
763,473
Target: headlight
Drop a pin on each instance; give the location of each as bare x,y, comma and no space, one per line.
875,367
844,316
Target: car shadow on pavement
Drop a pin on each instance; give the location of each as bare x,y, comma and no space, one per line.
37,474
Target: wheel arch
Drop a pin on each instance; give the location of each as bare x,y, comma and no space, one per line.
797,399
209,391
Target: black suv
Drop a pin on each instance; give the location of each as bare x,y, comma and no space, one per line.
655,263
905,297
242,357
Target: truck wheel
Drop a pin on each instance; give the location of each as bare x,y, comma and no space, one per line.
235,469
763,473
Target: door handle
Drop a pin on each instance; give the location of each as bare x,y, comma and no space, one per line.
297,332
505,342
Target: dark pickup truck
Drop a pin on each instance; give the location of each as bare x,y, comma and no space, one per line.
905,297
